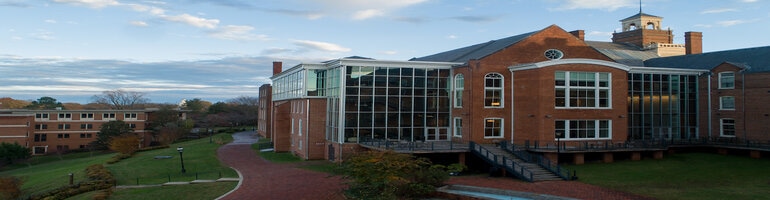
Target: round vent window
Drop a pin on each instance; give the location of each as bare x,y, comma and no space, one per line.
553,54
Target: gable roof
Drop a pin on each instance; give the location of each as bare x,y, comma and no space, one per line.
476,51
623,53
753,59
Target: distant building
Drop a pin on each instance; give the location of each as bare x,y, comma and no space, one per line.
47,131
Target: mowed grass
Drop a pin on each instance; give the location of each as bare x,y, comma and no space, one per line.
50,172
199,158
54,173
176,192
684,176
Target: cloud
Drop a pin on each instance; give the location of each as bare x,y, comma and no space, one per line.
90,3
42,35
273,51
362,10
469,18
18,4
749,1
368,13
50,21
233,32
609,5
138,23
719,10
451,37
391,52
193,20
308,14
321,46
727,23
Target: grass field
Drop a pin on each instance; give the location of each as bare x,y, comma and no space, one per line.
49,172
684,176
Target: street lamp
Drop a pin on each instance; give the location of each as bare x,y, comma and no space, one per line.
558,145
180,149
210,136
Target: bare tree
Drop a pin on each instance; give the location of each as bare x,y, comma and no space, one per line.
245,101
121,99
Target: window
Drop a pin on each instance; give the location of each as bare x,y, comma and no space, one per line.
458,127
131,125
584,129
41,126
86,116
129,116
553,54
41,115
582,89
107,116
64,126
63,135
459,87
726,80
727,103
292,126
727,128
86,135
300,128
493,90
493,128
40,137
65,116
86,126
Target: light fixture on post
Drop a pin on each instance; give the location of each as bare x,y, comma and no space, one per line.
181,159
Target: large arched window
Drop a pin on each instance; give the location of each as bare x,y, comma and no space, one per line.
459,87
493,90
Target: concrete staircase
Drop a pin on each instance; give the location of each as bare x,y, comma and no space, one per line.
538,173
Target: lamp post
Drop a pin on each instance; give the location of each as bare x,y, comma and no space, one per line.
210,135
558,145
181,159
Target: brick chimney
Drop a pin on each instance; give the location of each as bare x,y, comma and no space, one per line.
693,42
277,67
580,34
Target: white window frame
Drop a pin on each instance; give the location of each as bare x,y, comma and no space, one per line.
597,130
494,76
64,116
42,116
109,116
723,80
84,116
722,104
458,127
722,128
597,88
500,132
459,83
130,116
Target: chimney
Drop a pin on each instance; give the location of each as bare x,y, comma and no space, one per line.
580,34
693,42
277,67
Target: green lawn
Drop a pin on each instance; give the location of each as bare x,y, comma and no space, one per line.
53,173
684,176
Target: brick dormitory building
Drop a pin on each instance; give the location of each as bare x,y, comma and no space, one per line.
50,131
539,89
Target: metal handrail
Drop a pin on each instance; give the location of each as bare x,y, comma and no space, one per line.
538,159
508,164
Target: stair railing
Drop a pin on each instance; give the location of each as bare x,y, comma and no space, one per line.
538,159
501,161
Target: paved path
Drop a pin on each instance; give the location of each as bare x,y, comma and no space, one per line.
264,180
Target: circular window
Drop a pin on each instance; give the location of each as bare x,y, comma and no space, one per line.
553,54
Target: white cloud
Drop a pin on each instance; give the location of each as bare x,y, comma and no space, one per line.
138,23
321,46
234,32
50,21
361,10
368,13
193,20
90,3
727,23
608,5
719,10
749,1
391,52
703,25
43,35
451,37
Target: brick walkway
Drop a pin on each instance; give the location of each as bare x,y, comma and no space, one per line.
265,180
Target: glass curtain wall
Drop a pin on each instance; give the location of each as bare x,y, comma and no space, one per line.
392,103
662,106
332,92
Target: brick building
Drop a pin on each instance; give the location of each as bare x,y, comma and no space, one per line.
544,86
47,131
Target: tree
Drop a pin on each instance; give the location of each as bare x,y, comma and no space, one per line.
108,131
245,100
125,144
390,175
10,187
45,103
121,99
196,105
13,152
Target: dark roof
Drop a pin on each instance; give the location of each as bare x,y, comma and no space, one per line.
639,15
755,59
476,51
623,53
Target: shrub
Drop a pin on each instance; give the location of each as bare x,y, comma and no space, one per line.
389,175
10,187
117,158
125,144
99,178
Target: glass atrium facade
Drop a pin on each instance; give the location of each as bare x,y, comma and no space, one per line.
662,106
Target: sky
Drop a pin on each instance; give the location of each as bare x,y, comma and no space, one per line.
216,50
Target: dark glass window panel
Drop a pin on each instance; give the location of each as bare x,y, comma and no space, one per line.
419,82
394,81
380,120
351,120
365,119
380,81
380,103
